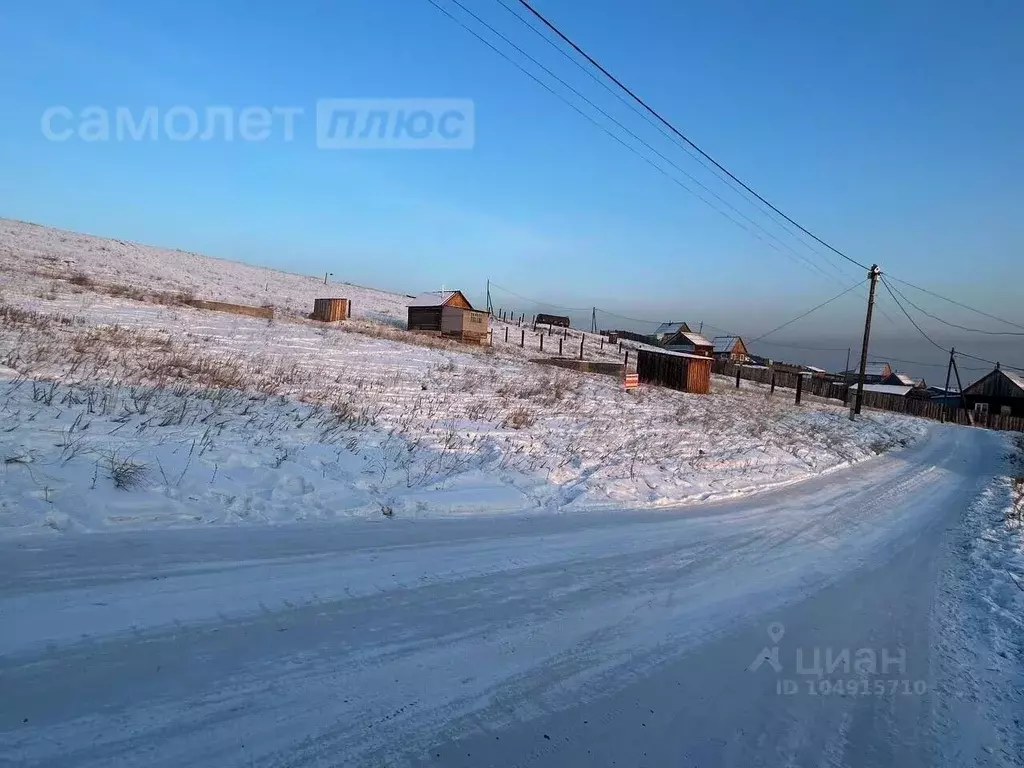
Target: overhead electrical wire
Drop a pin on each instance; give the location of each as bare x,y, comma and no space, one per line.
644,115
935,343
664,122
683,136
789,249
809,311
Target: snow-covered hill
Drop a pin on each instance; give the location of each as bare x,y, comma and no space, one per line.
233,419
42,252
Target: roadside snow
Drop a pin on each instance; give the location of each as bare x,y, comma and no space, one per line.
235,419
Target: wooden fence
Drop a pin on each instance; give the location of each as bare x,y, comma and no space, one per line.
835,390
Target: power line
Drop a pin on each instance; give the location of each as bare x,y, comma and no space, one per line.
957,303
954,325
540,303
809,311
625,129
935,343
681,135
631,105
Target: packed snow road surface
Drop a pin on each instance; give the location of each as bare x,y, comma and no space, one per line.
799,627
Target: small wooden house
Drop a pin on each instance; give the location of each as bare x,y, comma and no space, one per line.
666,330
730,348
874,373
675,370
904,380
690,343
448,313
1000,393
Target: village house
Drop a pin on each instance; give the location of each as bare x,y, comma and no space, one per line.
689,342
448,313
730,348
1000,393
875,373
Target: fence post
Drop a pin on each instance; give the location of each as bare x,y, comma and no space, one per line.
490,337
501,313
506,334
799,387
565,332
542,342
602,343
559,347
620,346
773,382
522,338
581,346
737,377
625,364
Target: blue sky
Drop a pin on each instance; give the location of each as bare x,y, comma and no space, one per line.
891,129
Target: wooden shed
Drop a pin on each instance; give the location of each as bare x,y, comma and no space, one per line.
448,313
675,370
331,310
1000,393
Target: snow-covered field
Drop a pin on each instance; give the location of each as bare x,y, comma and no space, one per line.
232,419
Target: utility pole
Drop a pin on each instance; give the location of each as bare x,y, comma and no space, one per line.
846,370
593,320
490,307
326,275
945,392
873,274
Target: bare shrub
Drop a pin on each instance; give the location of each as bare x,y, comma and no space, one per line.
125,472
520,418
81,279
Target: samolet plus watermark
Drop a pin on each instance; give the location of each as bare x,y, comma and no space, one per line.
395,124
340,124
840,672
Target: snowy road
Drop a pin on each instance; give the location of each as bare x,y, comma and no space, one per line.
573,640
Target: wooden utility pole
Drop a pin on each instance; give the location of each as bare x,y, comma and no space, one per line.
490,307
945,392
846,370
873,274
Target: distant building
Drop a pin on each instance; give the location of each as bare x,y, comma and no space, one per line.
902,379
730,348
1000,393
667,330
875,373
690,343
448,313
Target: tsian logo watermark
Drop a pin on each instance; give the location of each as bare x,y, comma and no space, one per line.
840,672
340,123
395,124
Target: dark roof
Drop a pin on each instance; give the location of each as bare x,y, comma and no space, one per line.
687,337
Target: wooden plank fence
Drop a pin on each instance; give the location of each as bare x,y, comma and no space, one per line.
833,390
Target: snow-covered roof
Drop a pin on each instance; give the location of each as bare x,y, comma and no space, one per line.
669,327
689,337
903,378
431,299
725,343
814,369
1016,378
673,353
872,369
887,389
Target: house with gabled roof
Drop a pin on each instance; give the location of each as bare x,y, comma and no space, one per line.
1001,392
666,330
730,348
689,342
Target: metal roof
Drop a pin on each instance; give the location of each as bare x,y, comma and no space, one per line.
872,369
432,299
668,328
694,338
1016,378
904,378
725,343
887,389
673,353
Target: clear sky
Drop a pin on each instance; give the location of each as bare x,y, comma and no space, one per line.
893,129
